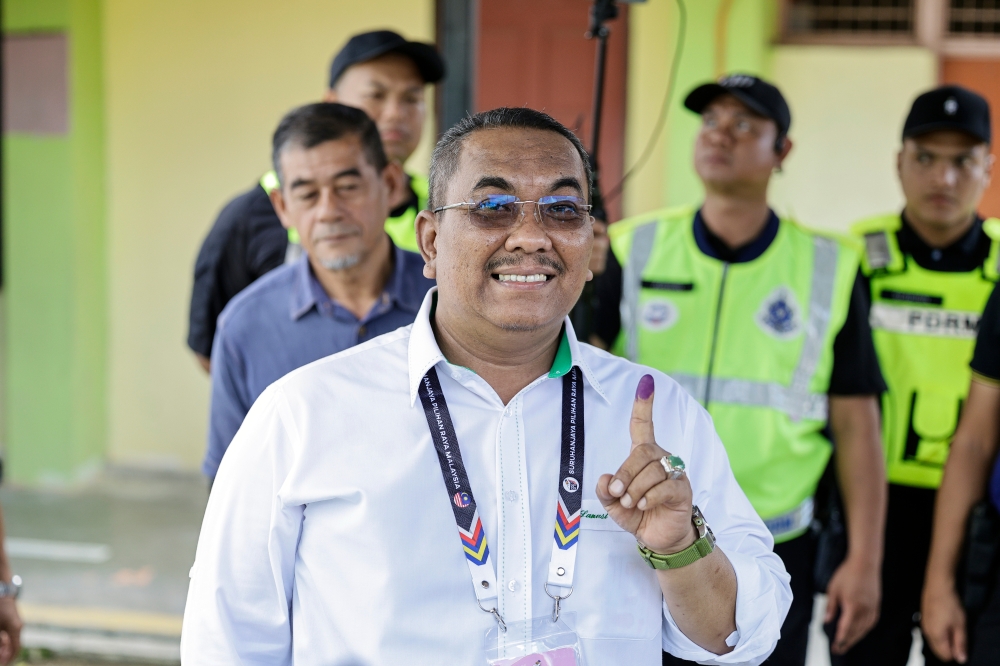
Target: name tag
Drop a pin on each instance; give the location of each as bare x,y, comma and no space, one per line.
934,322
593,516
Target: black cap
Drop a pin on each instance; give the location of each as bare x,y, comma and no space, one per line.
760,96
949,108
370,45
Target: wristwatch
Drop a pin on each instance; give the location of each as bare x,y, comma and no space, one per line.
11,589
704,545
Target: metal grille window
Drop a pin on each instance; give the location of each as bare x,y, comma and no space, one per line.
974,17
850,17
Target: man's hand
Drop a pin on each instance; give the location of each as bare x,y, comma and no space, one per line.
943,621
854,590
204,362
640,497
10,631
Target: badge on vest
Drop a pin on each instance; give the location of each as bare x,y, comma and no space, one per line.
779,314
658,314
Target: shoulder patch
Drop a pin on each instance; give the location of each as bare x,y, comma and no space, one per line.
877,250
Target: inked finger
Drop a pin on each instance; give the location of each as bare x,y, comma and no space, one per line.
640,426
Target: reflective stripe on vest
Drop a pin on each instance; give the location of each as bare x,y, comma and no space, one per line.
793,523
924,326
795,400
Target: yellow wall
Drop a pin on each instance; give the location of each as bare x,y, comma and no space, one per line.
848,106
194,90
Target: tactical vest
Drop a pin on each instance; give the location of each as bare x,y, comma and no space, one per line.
400,229
752,342
924,325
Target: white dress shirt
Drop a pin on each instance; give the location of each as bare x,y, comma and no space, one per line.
329,537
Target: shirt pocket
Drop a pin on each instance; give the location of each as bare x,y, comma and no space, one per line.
619,595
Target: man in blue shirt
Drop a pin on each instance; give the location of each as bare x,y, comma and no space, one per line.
351,285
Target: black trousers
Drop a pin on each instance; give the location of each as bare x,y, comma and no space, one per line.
799,556
907,545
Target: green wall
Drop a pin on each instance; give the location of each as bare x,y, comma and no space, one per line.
53,211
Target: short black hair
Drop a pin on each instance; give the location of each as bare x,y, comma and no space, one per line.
444,161
310,125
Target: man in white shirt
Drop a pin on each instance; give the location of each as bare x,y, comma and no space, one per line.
330,534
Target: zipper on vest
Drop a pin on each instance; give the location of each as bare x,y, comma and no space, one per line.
715,334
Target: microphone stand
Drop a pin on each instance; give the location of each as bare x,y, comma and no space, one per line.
601,11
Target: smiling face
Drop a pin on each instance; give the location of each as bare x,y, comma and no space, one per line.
526,276
944,175
335,199
734,151
391,91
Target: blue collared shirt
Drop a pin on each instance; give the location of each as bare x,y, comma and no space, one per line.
286,320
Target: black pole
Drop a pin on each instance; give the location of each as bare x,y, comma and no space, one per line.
601,11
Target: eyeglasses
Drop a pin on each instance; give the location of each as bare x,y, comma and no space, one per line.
502,211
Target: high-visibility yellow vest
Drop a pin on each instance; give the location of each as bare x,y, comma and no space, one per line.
924,325
400,228
752,342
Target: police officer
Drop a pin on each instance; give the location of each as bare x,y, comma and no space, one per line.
930,270
379,72
765,323
968,629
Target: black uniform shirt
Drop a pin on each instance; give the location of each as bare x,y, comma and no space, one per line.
855,363
966,254
986,358
246,241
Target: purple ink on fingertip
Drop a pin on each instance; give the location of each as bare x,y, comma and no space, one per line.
645,388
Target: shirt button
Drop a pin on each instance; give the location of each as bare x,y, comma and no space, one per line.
513,585
362,331
511,495
936,255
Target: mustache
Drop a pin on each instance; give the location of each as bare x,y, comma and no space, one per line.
510,260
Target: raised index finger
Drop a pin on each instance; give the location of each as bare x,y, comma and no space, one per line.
640,426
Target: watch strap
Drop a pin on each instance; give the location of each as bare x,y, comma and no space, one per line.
702,547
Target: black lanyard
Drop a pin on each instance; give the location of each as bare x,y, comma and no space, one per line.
463,502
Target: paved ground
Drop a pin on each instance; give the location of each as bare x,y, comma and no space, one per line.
105,568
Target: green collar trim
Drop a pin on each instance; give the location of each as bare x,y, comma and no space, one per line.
563,361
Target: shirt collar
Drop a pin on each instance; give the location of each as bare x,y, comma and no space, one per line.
714,247
424,352
308,293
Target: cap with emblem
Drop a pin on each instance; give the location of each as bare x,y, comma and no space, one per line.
760,96
949,108
370,45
